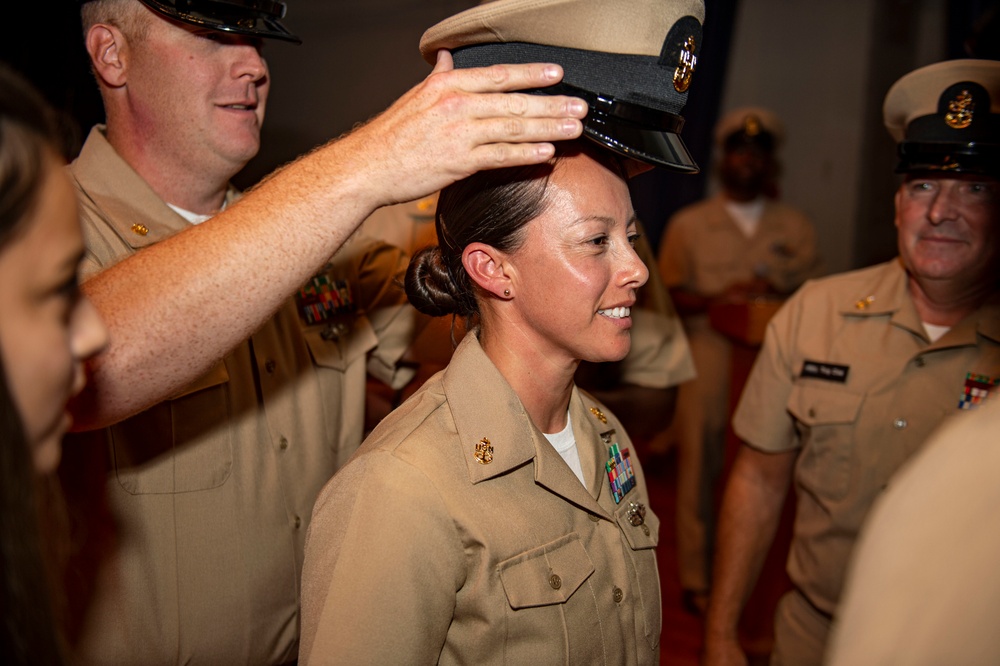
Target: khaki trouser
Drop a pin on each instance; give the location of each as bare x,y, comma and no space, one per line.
800,632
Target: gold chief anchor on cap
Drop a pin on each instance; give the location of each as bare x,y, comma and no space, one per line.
960,111
686,62
484,451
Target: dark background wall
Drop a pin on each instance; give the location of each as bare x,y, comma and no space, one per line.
823,65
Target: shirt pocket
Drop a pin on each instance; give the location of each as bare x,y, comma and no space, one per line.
546,575
178,445
340,343
642,540
827,422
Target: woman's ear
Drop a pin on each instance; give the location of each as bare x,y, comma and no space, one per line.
108,51
489,268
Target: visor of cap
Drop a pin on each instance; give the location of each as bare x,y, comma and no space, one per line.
257,18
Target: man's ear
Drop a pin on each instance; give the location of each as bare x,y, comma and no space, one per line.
108,51
488,267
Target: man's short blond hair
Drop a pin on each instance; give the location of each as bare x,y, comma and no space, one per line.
129,16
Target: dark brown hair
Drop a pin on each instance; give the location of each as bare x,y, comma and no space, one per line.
28,634
490,207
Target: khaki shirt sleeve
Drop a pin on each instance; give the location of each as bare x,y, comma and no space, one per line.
761,418
383,563
659,356
380,269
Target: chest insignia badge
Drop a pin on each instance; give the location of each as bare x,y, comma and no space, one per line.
636,513
977,389
619,468
484,451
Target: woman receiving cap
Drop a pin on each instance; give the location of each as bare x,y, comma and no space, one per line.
46,332
499,514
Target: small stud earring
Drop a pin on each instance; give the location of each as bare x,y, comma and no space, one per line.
506,292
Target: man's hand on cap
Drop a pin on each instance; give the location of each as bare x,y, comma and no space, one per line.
457,122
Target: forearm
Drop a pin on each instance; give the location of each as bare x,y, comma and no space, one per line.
175,309
749,517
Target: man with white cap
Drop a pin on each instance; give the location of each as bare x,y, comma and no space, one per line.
229,402
742,242
858,369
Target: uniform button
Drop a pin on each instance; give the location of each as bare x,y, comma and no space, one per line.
283,443
594,518
269,366
812,412
298,522
899,424
618,595
645,529
555,581
919,361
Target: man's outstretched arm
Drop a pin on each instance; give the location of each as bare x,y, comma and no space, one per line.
162,306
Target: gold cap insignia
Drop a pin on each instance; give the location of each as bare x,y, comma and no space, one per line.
484,451
864,303
140,229
599,414
686,62
960,111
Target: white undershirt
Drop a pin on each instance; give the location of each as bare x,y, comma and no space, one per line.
565,445
935,332
194,218
746,215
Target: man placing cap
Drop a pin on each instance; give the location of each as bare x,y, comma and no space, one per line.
858,369
737,244
230,403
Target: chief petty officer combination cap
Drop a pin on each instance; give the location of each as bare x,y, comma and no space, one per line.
749,126
946,117
631,60
256,18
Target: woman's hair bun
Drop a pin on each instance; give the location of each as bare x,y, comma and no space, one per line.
429,284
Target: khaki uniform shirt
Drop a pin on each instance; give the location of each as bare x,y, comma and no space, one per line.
211,491
923,587
420,553
848,375
704,251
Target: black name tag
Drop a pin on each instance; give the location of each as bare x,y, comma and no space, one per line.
828,371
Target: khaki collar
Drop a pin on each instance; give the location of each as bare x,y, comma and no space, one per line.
126,202
485,407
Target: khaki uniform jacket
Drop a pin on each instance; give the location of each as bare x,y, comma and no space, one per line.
418,553
923,589
848,375
211,491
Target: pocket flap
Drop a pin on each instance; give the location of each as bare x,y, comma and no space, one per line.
546,575
346,339
814,405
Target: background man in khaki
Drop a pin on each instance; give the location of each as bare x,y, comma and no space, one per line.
223,396
739,243
858,369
